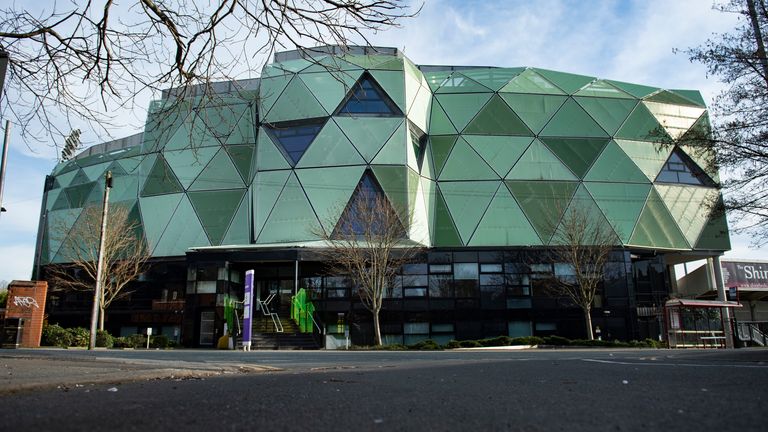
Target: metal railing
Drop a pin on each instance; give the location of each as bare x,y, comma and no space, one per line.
753,331
264,305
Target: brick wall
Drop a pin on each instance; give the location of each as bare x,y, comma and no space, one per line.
26,299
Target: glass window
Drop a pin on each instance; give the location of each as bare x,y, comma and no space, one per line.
541,268
518,279
206,287
491,279
440,268
395,289
207,273
490,268
518,291
415,292
416,328
679,169
410,269
294,140
368,98
440,286
518,303
546,326
520,328
415,281
442,328
492,296
464,271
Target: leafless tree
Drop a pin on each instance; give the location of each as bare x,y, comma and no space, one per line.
369,245
125,255
740,114
81,59
583,241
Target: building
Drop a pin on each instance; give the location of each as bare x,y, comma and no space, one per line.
482,157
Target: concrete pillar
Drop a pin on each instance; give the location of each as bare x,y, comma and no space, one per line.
720,286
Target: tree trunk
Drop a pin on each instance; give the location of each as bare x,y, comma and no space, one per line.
376,328
101,318
588,319
758,38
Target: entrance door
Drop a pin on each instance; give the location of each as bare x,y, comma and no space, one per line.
282,289
206,327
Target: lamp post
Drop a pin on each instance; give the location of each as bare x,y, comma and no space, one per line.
100,264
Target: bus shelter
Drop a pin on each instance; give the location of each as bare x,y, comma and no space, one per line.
696,323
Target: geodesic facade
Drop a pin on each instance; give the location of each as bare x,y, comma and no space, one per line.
478,157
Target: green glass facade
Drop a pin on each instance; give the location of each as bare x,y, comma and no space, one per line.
481,157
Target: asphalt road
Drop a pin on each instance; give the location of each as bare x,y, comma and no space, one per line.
532,390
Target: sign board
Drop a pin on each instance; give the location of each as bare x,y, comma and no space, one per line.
745,274
247,310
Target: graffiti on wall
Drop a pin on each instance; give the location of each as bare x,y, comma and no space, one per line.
25,302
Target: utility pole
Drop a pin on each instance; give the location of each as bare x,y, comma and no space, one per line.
3,67
100,264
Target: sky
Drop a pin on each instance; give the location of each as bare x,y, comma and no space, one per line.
621,40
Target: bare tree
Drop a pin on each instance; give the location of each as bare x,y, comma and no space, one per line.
740,135
85,58
369,245
124,255
583,242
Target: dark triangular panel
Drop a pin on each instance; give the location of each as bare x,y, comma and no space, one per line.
161,180
656,227
577,153
668,97
368,194
78,195
497,118
715,233
242,157
543,202
367,97
294,138
680,169
446,233
216,210
572,121
642,125
80,178
441,148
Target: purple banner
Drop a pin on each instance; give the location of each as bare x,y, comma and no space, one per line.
745,274
247,310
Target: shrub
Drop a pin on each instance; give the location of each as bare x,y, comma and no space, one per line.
428,344
80,337
55,335
526,340
104,339
469,344
160,341
132,341
497,341
557,340
453,344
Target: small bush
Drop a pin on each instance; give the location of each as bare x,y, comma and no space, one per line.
556,340
497,341
526,340
104,339
469,344
428,344
80,337
132,341
55,335
453,344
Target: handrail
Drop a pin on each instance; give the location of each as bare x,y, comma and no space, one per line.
265,310
302,310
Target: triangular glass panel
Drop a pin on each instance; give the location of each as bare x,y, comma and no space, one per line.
161,180
216,210
530,82
394,150
441,147
369,135
657,228
493,78
609,113
642,125
543,202
65,179
295,103
690,207
435,78
59,202
636,90
572,121
601,88
242,157
460,83
394,181
268,157
667,97
156,213
539,163
239,232
621,203
328,189
497,118
417,145
649,157
676,119
359,217
534,109
692,95
292,217
220,173
270,90
445,232
614,165
187,164
184,231
570,83
267,186
500,152
393,84
366,97
714,236
465,164
585,215
294,137
330,87
467,202
577,153
244,131
80,178
504,224
461,108
95,171
680,169
439,123
330,148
